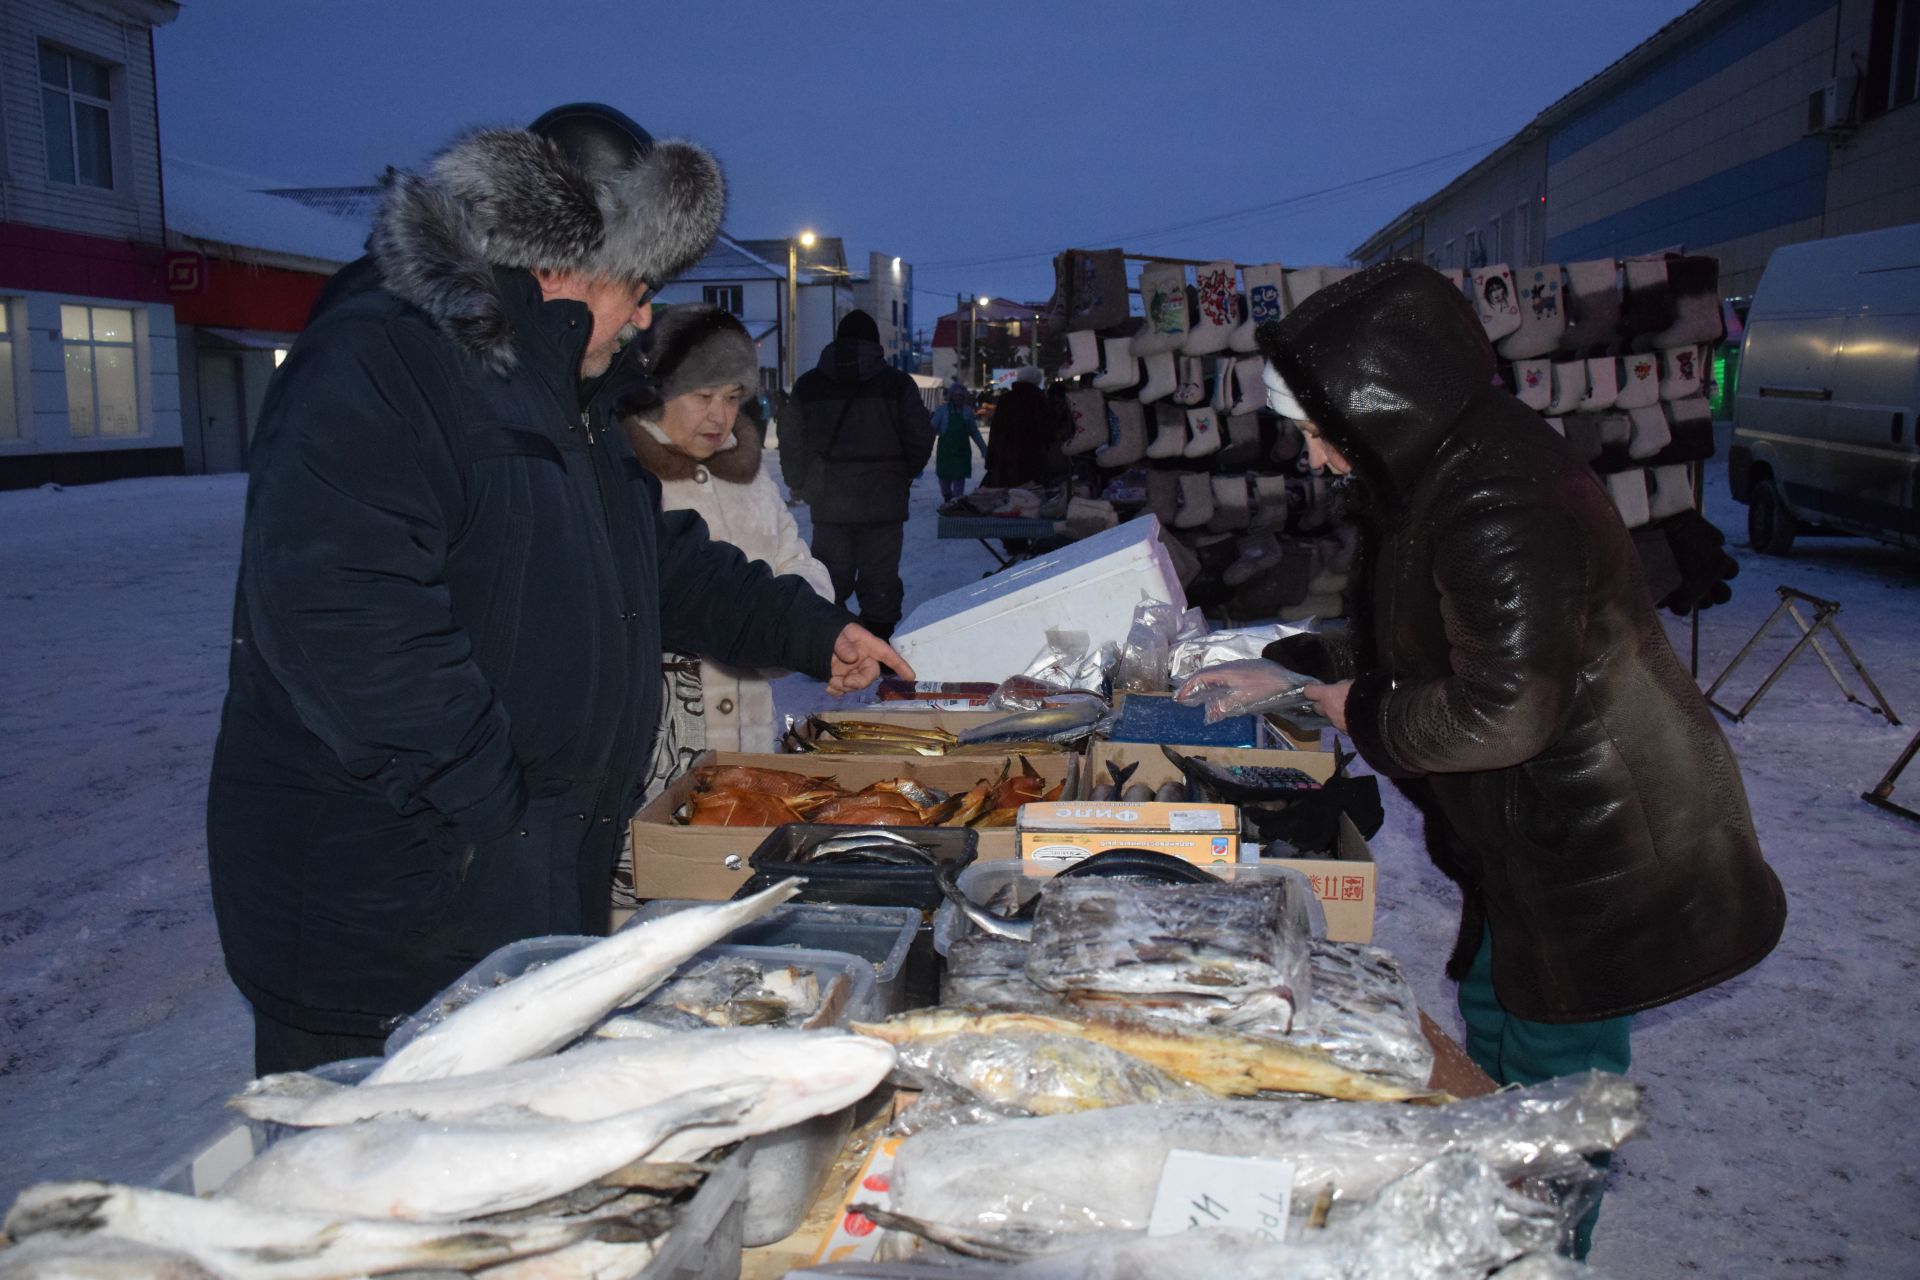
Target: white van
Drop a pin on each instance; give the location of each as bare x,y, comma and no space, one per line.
1829,390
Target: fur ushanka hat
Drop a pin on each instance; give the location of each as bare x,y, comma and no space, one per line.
695,345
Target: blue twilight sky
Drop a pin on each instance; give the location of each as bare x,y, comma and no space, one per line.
973,137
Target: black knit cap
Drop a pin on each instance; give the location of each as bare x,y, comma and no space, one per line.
596,138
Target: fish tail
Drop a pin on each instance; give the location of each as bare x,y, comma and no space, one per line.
283,1096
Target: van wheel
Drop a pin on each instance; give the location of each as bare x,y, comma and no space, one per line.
1770,527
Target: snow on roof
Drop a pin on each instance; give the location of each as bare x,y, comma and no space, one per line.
220,207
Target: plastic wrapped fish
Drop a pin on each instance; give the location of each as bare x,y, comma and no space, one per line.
1044,1074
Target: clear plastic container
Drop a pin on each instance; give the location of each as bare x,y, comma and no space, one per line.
985,881
882,936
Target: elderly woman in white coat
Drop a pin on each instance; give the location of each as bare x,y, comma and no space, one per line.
708,458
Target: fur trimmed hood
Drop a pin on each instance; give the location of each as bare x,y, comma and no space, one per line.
738,463
510,198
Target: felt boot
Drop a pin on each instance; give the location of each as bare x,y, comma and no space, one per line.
1212,327
1493,301
1088,410
1639,381
1161,381
1542,318
1196,500
1628,489
1222,401
1303,284
1129,435
1313,606
1532,383
1697,316
1650,431
1603,383
1249,392
1670,491
1163,299
1269,504
1203,433
1122,370
1083,348
1242,446
1679,372
1259,553
1163,496
1569,385
1592,301
1647,308
1266,300
1192,387
1169,431
1231,510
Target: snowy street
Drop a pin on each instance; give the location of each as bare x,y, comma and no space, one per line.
1781,1102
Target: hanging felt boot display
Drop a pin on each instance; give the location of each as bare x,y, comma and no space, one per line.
1532,383
1161,379
1129,435
1569,386
1628,489
1603,383
1196,500
1694,283
1639,381
1169,431
1669,492
1691,423
1303,284
1269,503
1163,299
1493,301
1121,370
1099,289
1542,318
1259,553
1163,495
1203,433
1592,302
1222,401
1213,310
1249,392
1287,442
1083,354
1231,509
1679,372
1647,307
1088,410
1650,431
1266,301
1192,386
1242,446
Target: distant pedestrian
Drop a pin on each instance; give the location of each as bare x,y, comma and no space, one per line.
959,433
1023,432
852,438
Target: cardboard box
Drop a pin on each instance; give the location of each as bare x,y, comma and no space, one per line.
675,861
1060,833
1347,884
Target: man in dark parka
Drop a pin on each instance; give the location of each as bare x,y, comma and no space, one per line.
456,582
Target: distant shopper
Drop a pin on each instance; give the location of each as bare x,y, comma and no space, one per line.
1023,434
852,438
959,433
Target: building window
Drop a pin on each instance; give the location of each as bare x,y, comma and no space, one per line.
9,403
730,298
76,101
895,304
100,383
1893,58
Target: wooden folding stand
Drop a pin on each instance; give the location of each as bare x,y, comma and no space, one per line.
1825,614
1882,795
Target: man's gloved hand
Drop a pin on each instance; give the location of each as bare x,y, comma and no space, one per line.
858,655
1705,567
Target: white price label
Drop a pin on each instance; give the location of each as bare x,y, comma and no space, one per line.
1193,820
1199,1190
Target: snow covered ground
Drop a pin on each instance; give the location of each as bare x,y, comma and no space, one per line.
1781,1143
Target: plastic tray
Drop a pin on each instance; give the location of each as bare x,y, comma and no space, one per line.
983,880
881,936
881,885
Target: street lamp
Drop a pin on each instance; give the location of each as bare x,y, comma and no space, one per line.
794,245
973,336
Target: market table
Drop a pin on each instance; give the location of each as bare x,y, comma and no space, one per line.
981,528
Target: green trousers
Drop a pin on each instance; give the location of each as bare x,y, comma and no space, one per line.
1515,1051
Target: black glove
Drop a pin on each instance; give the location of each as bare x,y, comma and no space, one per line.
1699,553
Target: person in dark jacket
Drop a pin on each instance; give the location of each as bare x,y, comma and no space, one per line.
455,583
853,436
1507,668
1023,434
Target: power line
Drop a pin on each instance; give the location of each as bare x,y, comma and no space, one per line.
1252,212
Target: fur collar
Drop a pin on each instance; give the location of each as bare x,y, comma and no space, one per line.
738,463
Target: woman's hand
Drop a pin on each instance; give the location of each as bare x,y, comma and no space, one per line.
1331,701
858,655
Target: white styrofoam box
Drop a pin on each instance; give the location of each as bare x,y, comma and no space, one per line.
994,628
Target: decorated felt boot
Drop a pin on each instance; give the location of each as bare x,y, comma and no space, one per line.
1603,383
1088,410
1203,433
1192,388
1169,431
1532,383
1083,348
1213,323
1122,370
1163,298
1542,318
1569,386
1162,381
1196,500
1493,300
1231,509
1266,301
1129,435
1679,373
1592,301
1242,446
1639,381
1250,393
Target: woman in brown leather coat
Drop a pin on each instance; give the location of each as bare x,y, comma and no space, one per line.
1506,666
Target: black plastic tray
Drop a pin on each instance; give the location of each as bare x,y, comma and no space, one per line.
879,885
